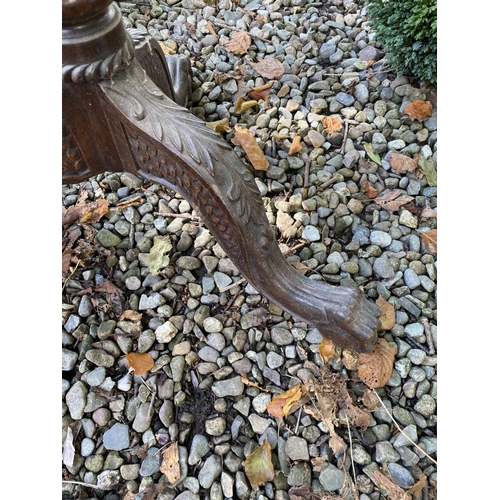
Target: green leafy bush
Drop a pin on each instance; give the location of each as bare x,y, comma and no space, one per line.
407,29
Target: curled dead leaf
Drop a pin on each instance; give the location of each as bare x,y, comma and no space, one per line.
350,359
86,213
393,199
259,466
244,138
140,362
261,92
242,105
239,42
296,146
370,191
269,68
388,316
130,315
332,124
375,369
401,163
326,350
429,239
220,125
418,109
281,405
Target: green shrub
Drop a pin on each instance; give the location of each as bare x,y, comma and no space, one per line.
407,29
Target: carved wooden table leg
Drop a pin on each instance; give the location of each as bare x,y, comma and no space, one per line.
115,118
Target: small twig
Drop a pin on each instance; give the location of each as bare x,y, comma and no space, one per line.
233,298
417,345
226,288
298,421
428,335
180,216
350,450
72,272
131,237
88,485
329,182
344,140
232,28
307,170
401,430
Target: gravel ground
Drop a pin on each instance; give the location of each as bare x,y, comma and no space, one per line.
222,351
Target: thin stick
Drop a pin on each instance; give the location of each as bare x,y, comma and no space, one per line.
342,149
225,289
72,272
88,485
329,182
232,28
401,430
350,451
428,335
307,170
180,216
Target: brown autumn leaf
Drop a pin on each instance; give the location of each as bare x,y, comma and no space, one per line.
170,463
239,42
356,416
244,138
429,213
211,29
375,369
388,316
261,92
282,404
296,146
259,466
418,109
332,124
319,463
220,125
417,488
251,383
301,268
326,350
429,238
269,68
242,105
140,362
370,191
388,488
130,315
86,213
401,163
393,199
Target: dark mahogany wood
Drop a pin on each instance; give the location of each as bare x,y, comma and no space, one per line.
124,110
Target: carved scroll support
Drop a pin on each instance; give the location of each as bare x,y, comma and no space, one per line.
128,123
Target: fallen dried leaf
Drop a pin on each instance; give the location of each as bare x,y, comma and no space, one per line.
350,359
282,404
130,315
107,287
140,362
369,189
157,259
326,350
170,463
428,213
220,125
259,466
388,488
319,463
296,146
250,383
301,268
261,92
86,213
416,489
388,316
239,42
401,163
332,124
269,68
375,369
393,199
418,109
211,28
242,105
68,449
429,239
244,138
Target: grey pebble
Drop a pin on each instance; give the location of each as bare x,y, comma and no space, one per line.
385,452
117,437
296,448
96,377
426,405
331,478
151,463
210,471
199,448
228,387
69,359
401,476
76,400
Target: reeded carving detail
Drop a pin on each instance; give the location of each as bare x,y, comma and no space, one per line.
73,162
102,69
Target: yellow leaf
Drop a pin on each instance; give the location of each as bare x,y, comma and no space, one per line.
140,362
244,138
296,146
326,350
350,359
157,258
130,315
239,42
388,316
170,463
375,369
220,125
281,405
242,105
259,466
